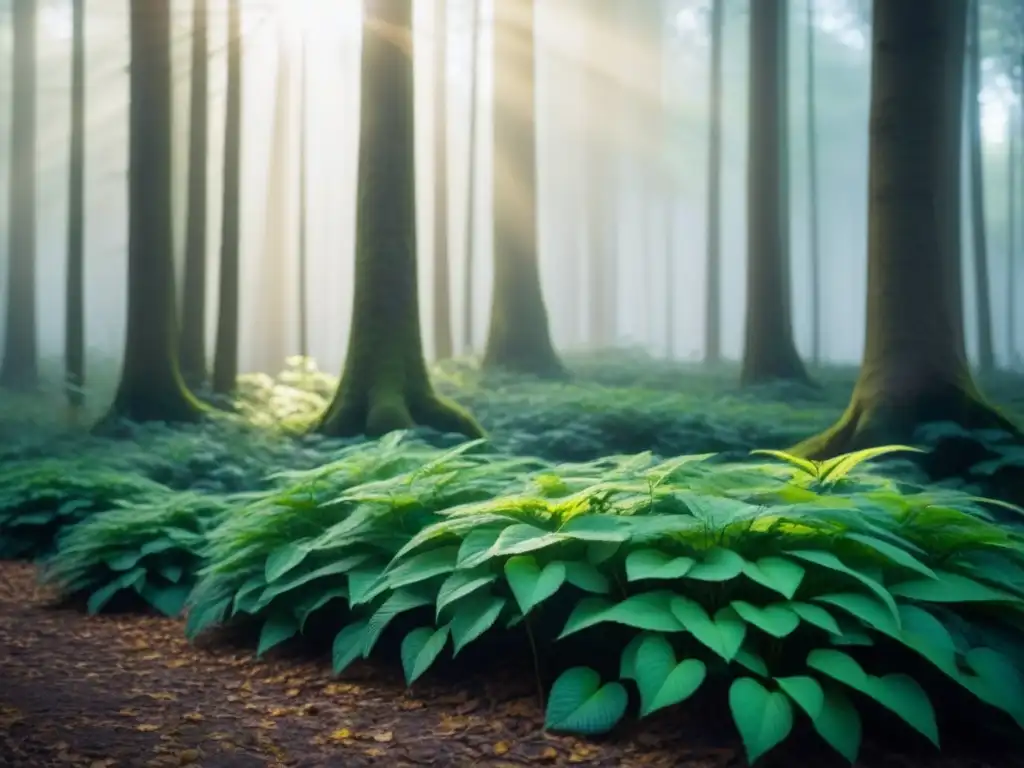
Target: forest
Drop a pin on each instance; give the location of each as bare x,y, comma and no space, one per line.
512,383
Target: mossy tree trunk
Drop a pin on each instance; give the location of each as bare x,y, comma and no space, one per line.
74,296
151,387
979,238
812,187
471,171
914,370
192,344
519,338
1012,215
769,352
443,345
713,280
225,362
19,368
384,385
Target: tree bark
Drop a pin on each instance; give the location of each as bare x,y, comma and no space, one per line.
913,370
1011,242
303,267
769,352
19,368
443,345
471,171
151,387
812,190
983,300
385,385
713,283
74,311
192,344
225,364
518,338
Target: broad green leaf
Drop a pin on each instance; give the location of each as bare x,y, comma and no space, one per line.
124,561
751,661
200,617
925,634
899,693
892,552
520,538
348,645
834,470
582,575
460,584
601,551
807,466
303,611
655,564
578,703
816,615
718,565
723,634
474,616
663,682
833,563
401,600
998,681
172,573
648,610
365,583
775,573
604,528
951,588
276,630
627,660
283,559
530,584
839,723
420,648
422,566
806,692
763,718
777,619
342,566
869,611
170,600
477,546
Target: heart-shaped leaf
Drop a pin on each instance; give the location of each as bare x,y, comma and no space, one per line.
777,619
578,703
420,648
724,634
663,682
764,718
530,584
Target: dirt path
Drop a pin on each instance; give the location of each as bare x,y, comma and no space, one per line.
119,691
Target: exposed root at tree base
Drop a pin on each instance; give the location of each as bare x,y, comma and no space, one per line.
378,413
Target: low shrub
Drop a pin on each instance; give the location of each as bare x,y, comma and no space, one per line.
795,584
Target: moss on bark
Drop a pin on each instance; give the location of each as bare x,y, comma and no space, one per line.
385,385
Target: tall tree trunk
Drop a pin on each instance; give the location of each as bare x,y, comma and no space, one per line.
74,296
471,171
151,387
812,190
192,345
983,301
518,339
785,185
769,352
1011,240
384,385
913,370
443,345
303,302
713,285
19,368
225,362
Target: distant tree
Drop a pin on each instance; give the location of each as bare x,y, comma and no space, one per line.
769,352
443,344
192,345
1012,214
713,284
471,171
812,189
151,387
19,368
914,368
385,385
519,338
303,298
225,362
74,295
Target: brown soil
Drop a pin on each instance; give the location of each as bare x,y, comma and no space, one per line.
119,691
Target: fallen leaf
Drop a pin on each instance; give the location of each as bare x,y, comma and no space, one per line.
176,663
341,734
501,748
549,753
291,693
188,756
279,711
193,717
147,727
128,712
383,736
374,752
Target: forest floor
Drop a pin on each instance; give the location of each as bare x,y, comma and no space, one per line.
119,691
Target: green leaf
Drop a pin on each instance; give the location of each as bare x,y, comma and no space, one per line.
724,634
364,584
530,584
474,616
348,645
663,682
776,573
627,660
998,681
924,633
648,610
718,565
655,564
172,573
807,466
477,546
521,538
892,552
869,611
303,611
601,551
420,648
777,619
839,723
283,559
835,469
805,691
816,615
578,703
401,600
170,600
833,563
582,575
276,630
344,565
460,584
763,718
124,561
751,661
422,566
610,529
200,617
102,596
951,588
901,694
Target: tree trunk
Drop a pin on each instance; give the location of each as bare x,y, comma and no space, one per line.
1011,240
74,296
812,191
192,345
225,364
913,370
303,302
151,387
785,217
443,345
384,385
471,171
770,352
713,285
19,369
518,339
983,301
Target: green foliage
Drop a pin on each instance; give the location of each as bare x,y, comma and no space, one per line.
152,548
41,497
769,579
